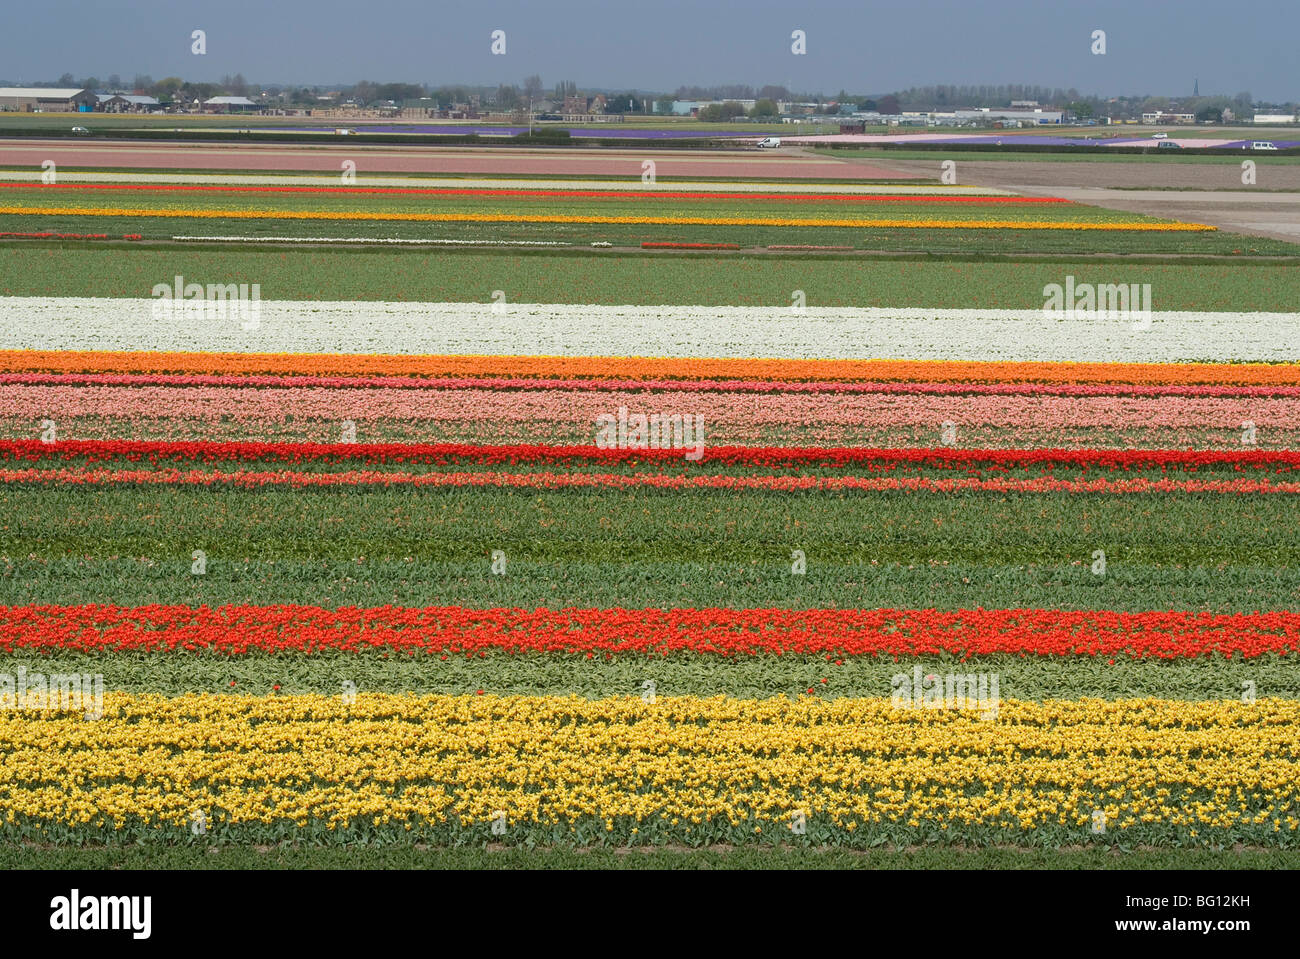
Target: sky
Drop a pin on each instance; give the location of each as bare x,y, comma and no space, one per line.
1153,47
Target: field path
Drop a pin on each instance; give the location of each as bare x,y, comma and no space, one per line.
1191,192
455,160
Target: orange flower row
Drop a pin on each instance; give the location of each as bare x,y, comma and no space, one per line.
648,368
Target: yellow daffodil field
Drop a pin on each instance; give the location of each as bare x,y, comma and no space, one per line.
446,769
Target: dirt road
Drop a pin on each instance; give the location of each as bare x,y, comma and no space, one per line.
1190,192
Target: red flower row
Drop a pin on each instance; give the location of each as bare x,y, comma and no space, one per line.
723,632
773,456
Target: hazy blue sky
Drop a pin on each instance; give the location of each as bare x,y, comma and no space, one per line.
864,46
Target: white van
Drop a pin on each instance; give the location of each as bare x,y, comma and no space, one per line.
1263,145
769,143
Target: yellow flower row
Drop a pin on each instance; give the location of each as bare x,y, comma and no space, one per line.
387,758
182,212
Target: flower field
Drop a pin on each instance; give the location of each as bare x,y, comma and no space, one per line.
698,333
444,768
646,551
937,219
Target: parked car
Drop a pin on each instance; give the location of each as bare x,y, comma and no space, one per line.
1263,145
1167,145
1160,136
80,130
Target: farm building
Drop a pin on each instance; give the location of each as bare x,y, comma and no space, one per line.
46,99
1028,117
125,103
690,108
229,105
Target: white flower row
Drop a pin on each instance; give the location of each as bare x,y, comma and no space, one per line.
502,328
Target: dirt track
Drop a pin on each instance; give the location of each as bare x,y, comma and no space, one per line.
328,156
1201,192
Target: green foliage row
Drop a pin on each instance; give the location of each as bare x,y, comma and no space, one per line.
158,854
141,580
578,276
689,548
1026,678
692,526
617,832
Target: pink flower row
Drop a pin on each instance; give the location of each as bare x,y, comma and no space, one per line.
730,413
681,386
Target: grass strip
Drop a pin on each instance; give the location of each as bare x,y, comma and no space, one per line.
746,280
329,673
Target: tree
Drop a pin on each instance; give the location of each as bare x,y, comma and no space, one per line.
397,92
764,108
67,80
114,82
1080,108
142,83
447,97
235,86
165,89
773,93
198,91
363,91
866,106
532,88
507,97
716,112
664,106
889,104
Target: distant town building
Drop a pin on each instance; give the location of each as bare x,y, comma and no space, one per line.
692,108
228,105
46,99
1273,119
125,103
1034,117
